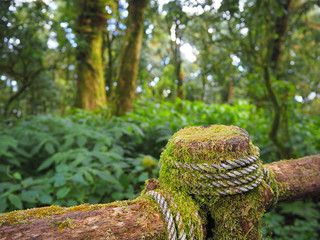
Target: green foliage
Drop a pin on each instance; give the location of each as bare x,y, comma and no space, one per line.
70,160
297,220
159,121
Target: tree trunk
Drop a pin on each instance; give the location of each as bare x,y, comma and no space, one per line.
230,91
275,51
91,92
109,79
204,84
179,76
140,219
130,56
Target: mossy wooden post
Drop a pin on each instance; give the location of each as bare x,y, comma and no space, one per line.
236,216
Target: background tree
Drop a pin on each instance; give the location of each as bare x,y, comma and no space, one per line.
176,22
91,25
130,56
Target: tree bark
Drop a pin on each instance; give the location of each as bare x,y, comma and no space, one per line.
129,59
140,219
137,219
179,76
297,179
204,84
91,92
109,81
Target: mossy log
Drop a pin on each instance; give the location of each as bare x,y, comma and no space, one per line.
140,219
226,212
297,178
137,219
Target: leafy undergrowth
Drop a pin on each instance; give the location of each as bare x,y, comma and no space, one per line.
293,221
87,157
71,160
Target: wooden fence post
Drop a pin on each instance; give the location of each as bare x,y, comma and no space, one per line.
212,184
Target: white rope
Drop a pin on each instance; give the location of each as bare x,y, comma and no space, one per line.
166,213
227,178
227,165
178,224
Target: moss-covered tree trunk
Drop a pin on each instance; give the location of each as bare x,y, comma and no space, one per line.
130,56
91,23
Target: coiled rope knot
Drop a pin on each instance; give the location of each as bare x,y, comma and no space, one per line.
209,161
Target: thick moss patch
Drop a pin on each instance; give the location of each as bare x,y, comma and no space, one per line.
26,216
209,144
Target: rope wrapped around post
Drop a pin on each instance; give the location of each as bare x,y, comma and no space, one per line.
207,166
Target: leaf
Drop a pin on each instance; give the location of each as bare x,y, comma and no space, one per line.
117,170
27,197
88,177
68,142
45,198
71,202
3,205
10,188
15,200
49,161
138,130
105,175
49,148
14,162
6,143
81,141
124,180
144,176
117,195
62,168
108,141
78,178
23,153
114,156
62,192
30,181
59,179
17,176
94,199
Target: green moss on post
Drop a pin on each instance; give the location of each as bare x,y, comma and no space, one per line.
185,167
186,213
